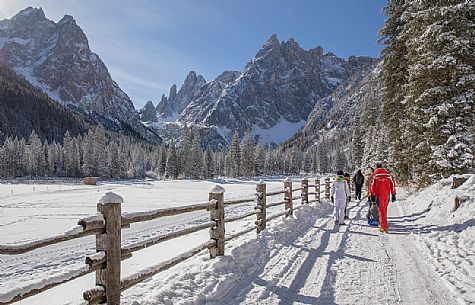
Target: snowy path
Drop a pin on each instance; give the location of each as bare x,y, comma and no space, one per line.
352,264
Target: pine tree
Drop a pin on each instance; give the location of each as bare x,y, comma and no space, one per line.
113,161
394,75
184,153
196,157
259,160
246,162
207,165
234,157
88,157
441,86
339,162
357,144
171,170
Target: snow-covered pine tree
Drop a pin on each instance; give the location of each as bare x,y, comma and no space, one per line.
324,163
394,75
440,38
208,165
88,158
7,159
259,158
247,156
184,152
357,143
100,153
196,157
234,157
36,157
171,168
339,162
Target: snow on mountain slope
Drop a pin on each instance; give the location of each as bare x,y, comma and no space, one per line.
55,57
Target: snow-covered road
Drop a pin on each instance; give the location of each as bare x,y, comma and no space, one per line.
352,264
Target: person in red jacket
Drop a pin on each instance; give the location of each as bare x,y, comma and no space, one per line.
382,186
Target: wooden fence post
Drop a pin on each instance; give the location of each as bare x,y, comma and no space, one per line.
458,181
261,206
317,189
288,197
304,191
109,242
216,214
327,188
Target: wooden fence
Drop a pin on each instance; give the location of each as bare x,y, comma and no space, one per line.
108,223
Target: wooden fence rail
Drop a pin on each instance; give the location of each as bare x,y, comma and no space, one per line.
108,223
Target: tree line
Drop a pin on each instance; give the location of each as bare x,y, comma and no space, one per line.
114,156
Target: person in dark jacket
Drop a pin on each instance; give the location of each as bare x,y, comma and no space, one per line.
348,199
358,180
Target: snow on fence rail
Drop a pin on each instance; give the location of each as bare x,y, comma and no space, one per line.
108,223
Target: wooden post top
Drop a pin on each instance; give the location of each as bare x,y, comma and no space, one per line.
217,189
111,198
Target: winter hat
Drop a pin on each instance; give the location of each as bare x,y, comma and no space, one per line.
339,173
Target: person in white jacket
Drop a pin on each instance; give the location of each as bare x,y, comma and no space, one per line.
339,195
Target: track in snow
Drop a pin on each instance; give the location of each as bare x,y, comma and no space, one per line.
352,264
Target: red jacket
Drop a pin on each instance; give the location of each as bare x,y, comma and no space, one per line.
382,185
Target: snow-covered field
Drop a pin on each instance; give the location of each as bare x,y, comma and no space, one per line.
428,257
33,211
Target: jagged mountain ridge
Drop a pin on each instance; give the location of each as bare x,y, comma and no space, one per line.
178,101
55,57
274,94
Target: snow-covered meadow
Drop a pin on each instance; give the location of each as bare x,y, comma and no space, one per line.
33,211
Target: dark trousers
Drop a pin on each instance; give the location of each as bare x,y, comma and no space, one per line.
358,192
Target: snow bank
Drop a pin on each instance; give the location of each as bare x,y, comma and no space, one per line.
445,236
202,280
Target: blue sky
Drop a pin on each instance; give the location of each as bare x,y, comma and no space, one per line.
149,45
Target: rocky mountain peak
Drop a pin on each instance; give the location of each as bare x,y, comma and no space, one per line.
31,14
148,113
67,19
178,101
55,57
316,52
172,94
273,40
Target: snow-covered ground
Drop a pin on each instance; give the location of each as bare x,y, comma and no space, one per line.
428,257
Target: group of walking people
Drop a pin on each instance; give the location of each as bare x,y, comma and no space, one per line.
380,186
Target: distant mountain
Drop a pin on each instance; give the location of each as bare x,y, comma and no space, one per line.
55,57
355,104
177,102
24,108
271,98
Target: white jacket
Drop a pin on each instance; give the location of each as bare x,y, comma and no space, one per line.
340,189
